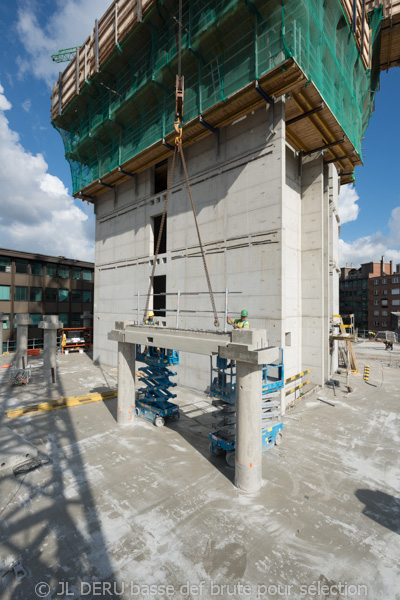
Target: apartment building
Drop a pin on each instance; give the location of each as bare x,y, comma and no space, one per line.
40,285
371,293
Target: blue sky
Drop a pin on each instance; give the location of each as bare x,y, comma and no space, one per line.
38,213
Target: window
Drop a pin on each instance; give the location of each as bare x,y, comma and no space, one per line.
161,176
21,265
384,313
36,318
35,294
87,274
51,270
384,302
384,292
376,313
64,319
376,292
76,295
63,295
376,302
36,268
395,280
21,293
76,320
376,282
395,291
5,264
396,302
6,324
4,292
76,273
384,324
63,271
87,295
50,294
384,281
376,323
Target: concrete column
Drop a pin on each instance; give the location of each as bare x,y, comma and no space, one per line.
87,319
126,383
50,325
23,321
248,473
3,319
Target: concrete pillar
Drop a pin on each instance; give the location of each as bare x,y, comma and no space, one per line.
50,325
87,319
23,321
126,383
3,319
248,473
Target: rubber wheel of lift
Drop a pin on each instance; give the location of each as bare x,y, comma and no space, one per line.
278,438
159,421
230,459
217,451
137,412
176,417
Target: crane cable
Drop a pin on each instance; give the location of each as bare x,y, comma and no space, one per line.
179,150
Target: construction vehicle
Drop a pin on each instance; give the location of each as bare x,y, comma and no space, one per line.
223,389
153,401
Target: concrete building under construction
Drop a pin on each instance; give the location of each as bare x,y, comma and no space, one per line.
277,98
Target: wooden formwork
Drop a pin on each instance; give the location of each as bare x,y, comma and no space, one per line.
390,31
356,11
108,33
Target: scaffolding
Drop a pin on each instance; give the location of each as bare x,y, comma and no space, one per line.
118,117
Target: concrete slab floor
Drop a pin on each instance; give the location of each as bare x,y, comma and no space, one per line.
123,509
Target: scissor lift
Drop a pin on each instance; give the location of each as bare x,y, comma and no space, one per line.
153,401
223,389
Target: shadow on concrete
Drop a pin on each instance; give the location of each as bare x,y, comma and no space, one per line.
382,508
195,429
49,522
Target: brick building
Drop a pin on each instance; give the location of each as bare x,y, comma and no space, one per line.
40,285
371,293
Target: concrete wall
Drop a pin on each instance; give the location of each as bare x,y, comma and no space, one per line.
264,226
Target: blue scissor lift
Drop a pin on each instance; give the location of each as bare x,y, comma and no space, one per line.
223,389
153,401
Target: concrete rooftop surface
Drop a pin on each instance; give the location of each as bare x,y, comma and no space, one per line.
146,512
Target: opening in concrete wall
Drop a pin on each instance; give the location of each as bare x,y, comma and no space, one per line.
161,177
156,232
159,298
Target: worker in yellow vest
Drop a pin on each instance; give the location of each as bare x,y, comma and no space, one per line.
241,323
151,320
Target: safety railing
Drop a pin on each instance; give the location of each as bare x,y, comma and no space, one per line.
10,346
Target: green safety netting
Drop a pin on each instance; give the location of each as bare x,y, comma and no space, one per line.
226,44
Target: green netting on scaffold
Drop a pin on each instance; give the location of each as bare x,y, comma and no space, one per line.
226,44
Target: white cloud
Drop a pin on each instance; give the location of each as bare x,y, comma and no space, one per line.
370,248
27,105
348,209
37,215
43,35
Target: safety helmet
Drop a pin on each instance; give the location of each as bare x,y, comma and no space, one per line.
151,314
244,313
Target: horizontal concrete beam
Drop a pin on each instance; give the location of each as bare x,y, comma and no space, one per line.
183,340
259,356
251,348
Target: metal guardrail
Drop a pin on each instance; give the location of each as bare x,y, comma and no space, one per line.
33,344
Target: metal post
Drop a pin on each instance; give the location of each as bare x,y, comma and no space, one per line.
177,308
50,325
226,309
77,70
138,307
23,321
126,383
248,472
